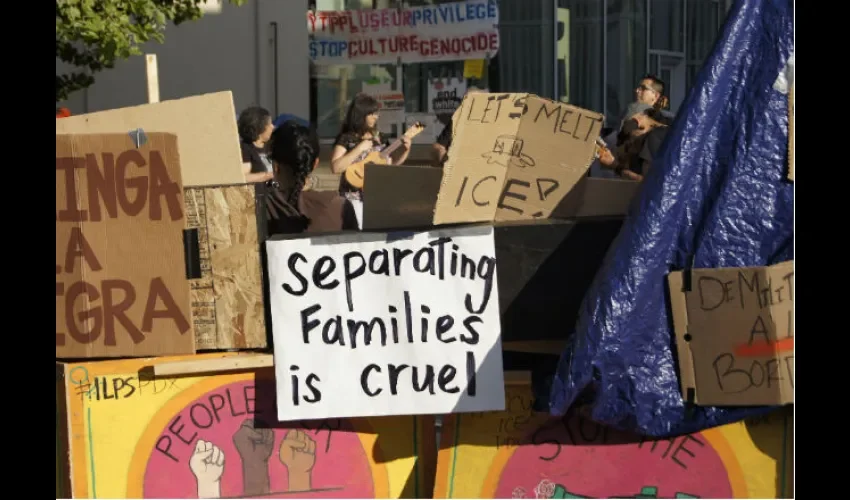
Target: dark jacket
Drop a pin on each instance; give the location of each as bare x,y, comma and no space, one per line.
317,212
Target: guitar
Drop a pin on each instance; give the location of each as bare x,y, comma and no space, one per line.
355,172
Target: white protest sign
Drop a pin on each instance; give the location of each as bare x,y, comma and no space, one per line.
365,326
429,33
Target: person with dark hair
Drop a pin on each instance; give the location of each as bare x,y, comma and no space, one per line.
641,138
358,137
650,91
291,205
255,129
440,148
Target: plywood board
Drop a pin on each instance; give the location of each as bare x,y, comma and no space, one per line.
519,453
134,435
227,300
206,125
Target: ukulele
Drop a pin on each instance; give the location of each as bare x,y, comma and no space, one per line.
355,172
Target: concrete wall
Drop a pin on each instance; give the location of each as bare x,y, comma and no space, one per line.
232,50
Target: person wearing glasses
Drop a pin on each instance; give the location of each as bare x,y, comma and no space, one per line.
649,94
639,142
650,91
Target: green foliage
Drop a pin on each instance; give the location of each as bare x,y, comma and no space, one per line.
94,34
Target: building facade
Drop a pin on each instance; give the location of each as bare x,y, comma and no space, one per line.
257,51
587,52
590,53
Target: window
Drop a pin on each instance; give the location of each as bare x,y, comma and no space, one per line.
334,85
581,55
626,33
704,19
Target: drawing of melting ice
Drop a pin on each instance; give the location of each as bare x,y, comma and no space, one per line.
508,149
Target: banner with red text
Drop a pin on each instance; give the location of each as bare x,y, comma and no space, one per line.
446,32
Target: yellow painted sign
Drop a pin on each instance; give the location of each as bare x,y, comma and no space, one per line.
133,435
519,453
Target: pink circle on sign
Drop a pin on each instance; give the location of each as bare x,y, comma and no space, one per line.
218,446
576,458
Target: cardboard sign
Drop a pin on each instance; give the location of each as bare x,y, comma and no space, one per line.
391,107
132,434
514,156
121,287
367,326
445,96
520,453
206,125
735,335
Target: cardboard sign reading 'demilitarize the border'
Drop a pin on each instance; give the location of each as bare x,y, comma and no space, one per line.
735,335
367,326
514,157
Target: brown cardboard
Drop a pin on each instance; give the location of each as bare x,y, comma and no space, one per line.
514,157
227,300
791,134
399,196
121,287
405,196
206,125
735,334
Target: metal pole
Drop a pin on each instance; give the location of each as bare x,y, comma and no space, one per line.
604,57
555,96
276,62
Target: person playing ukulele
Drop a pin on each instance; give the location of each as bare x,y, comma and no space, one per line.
357,138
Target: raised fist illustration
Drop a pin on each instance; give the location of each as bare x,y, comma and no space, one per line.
253,445
298,454
207,464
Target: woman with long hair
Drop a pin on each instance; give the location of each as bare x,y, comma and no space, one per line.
358,137
291,205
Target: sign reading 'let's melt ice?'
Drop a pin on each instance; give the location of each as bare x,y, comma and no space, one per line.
368,326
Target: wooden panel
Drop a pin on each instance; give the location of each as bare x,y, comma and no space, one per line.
227,301
138,435
521,453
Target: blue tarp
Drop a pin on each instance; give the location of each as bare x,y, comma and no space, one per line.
717,196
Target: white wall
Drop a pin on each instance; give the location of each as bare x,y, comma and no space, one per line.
232,50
